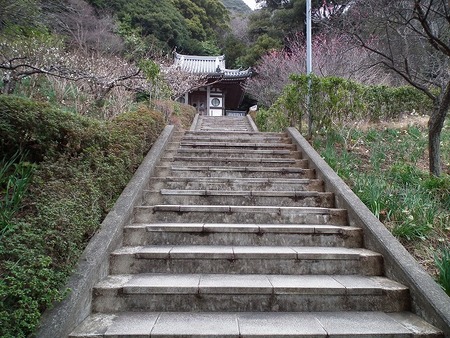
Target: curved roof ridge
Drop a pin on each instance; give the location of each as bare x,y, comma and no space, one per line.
209,65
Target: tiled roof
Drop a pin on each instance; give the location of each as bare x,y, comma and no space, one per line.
210,65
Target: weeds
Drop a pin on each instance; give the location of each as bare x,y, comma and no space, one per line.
442,261
15,175
383,167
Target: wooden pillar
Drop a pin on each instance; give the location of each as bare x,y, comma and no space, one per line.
208,94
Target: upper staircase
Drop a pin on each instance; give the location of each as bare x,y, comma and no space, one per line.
236,237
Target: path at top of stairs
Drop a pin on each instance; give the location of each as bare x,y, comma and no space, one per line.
236,237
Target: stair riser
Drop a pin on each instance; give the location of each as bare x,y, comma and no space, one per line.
315,185
235,139
231,173
147,215
114,302
351,239
326,201
216,162
240,147
128,264
235,154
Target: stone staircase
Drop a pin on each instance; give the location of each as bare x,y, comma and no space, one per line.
236,237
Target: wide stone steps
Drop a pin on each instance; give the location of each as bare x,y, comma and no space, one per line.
372,324
244,146
142,234
236,161
224,123
233,172
247,198
298,260
236,137
235,236
240,184
239,214
242,293
226,153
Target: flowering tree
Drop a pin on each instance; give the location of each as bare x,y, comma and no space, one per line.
93,76
181,82
332,56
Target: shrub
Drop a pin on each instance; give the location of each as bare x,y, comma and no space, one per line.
81,166
336,99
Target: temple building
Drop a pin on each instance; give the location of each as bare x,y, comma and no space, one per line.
223,92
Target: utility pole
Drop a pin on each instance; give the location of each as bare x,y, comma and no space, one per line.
309,64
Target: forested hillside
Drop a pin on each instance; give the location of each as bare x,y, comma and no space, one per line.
237,6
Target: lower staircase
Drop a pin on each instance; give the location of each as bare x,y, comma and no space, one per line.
235,237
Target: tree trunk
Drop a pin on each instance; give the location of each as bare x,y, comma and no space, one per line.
435,125
9,84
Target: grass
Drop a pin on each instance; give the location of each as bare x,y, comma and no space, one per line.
386,166
442,260
15,176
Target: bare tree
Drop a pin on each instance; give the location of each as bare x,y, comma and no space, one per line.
412,39
85,28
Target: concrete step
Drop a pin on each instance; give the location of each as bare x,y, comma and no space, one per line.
233,172
240,138
229,183
245,259
223,124
231,153
237,145
180,160
233,134
256,325
226,128
248,198
242,293
242,234
239,214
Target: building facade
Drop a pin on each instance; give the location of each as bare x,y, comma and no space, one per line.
223,91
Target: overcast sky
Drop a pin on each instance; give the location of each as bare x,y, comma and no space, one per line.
250,3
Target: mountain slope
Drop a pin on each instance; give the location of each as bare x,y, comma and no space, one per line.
236,6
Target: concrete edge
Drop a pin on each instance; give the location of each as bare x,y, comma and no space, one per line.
252,123
94,262
194,123
429,301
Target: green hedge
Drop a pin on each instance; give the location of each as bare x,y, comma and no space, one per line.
338,99
80,166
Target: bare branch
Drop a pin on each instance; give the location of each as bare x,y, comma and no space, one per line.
434,40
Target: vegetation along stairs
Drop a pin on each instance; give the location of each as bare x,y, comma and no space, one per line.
238,236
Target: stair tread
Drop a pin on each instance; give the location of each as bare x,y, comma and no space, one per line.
248,228
212,192
251,133
243,208
235,168
244,252
250,324
182,150
238,179
234,159
236,144
163,283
